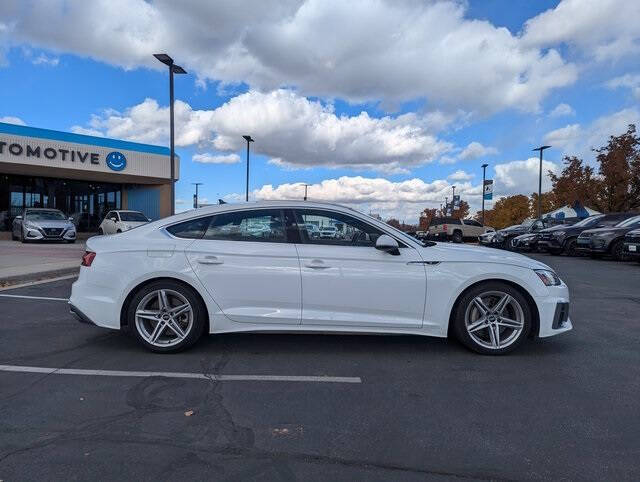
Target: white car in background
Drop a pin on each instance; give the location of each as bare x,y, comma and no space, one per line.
173,280
119,221
329,232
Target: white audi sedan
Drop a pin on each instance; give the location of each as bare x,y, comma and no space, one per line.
209,271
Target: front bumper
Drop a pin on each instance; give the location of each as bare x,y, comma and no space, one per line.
554,312
48,234
632,249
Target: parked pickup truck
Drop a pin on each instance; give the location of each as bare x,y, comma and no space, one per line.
456,230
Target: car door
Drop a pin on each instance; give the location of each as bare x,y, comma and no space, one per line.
108,226
347,282
248,266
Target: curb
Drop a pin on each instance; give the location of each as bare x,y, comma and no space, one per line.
41,275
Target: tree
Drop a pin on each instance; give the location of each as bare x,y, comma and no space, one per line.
425,218
548,203
462,212
508,211
576,183
402,226
620,171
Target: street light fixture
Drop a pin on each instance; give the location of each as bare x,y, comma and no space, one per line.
173,69
541,148
484,176
249,141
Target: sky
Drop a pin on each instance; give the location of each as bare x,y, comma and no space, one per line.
381,105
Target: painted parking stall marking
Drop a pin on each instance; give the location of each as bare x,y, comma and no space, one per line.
196,376
27,297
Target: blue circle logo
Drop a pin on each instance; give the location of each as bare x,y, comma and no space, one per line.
116,161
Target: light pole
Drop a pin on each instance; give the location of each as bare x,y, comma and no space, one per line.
484,177
195,199
173,69
305,191
249,141
541,148
453,199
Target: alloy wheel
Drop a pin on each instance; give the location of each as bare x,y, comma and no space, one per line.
494,320
164,318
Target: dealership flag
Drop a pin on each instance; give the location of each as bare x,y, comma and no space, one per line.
488,190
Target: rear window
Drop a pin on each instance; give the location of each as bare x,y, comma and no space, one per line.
192,229
437,221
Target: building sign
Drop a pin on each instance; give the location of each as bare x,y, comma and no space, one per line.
41,148
51,153
488,190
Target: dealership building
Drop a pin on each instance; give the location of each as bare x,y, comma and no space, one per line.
83,176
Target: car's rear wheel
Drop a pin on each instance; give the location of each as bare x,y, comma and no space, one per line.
166,316
457,237
492,318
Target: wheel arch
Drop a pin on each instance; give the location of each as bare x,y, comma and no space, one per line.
125,305
535,322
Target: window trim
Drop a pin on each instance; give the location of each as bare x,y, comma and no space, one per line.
401,243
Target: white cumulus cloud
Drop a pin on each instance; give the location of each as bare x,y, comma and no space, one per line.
362,50
209,158
13,120
460,175
630,81
475,150
562,110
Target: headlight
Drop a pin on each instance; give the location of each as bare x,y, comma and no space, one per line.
30,225
548,277
559,234
71,227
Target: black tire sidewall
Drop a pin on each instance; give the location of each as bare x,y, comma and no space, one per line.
457,237
460,329
199,314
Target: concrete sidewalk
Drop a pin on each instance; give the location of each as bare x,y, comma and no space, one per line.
21,263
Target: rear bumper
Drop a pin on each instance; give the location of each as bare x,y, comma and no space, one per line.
80,316
632,250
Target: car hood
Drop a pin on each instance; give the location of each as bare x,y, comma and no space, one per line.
596,231
51,223
447,252
559,227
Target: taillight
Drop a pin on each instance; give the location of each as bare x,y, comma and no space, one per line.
444,227
87,258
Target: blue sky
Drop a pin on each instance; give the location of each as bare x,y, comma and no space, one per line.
449,86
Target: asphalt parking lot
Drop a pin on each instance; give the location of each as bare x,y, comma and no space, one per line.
408,408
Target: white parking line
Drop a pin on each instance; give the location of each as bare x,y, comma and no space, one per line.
198,376
39,282
34,297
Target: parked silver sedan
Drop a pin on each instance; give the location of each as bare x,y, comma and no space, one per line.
40,224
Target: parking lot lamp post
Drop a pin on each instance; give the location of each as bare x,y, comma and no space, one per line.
541,148
195,199
173,69
249,140
484,176
305,191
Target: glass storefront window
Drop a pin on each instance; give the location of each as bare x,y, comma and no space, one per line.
86,202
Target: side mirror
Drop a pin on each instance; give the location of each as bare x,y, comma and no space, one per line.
149,219
388,244
114,220
18,218
71,219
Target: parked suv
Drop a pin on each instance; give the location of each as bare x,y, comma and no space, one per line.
632,244
608,240
456,230
121,221
504,238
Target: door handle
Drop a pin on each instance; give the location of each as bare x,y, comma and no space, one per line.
317,264
209,260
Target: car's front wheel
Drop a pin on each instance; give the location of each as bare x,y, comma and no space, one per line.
166,316
492,318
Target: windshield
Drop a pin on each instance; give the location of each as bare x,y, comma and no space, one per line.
528,222
133,216
628,222
45,216
590,221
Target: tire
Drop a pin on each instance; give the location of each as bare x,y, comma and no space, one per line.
482,338
118,231
22,240
570,248
457,237
13,235
617,250
190,323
